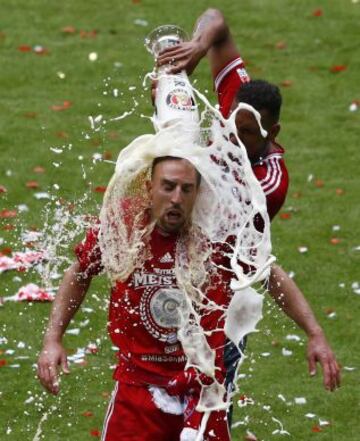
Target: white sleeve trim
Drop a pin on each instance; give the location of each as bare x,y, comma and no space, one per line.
222,74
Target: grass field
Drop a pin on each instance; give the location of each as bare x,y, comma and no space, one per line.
49,87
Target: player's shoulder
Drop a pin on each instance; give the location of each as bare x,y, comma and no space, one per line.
271,170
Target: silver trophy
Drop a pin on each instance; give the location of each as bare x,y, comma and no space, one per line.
175,100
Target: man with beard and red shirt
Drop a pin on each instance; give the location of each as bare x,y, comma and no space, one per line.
212,38
143,314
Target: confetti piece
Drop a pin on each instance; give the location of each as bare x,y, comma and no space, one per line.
24,48
319,183
286,352
349,368
141,22
40,50
95,433
7,214
88,34
281,45
87,414
293,337
60,107
31,293
73,331
250,436
100,189
338,68
353,107
42,195
300,400
38,169
285,215
303,249
324,423
3,189
339,191
317,12
61,75
286,83
32,184
93,56
310,415
335,240
68,30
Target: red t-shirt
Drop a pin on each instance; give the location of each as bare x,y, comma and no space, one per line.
271,172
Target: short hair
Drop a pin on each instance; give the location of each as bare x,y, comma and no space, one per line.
159,159
262,96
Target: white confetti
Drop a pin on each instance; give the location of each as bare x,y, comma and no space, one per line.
42,195
293,337
349,368
310,415
310,178
61,75
286,352
300,400
323,422
23,208
74,331
141,22
56,150
303,250
93,56
282,398
291,274
353,106
336,228
21,345
265,354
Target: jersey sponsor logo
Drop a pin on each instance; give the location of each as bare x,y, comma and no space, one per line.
164,358
162,312
167,258
180,99
243,74
151,279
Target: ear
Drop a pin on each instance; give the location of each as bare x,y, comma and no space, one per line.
274,131
148,185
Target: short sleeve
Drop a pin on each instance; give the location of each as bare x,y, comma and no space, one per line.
88,253
227,83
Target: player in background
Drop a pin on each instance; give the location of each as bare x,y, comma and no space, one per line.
212,38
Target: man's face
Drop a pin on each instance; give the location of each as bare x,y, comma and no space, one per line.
249,133
173,190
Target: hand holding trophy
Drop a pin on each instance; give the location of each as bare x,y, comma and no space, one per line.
175,100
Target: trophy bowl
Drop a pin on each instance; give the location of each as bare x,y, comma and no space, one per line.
163,37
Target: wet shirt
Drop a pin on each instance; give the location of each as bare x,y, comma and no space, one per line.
142,312
271,171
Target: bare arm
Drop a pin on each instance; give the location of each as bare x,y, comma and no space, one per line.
212,37
67,301
292,301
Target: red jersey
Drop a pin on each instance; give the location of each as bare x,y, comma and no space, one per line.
271,171
142,312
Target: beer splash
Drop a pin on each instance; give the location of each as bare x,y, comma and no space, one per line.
230,213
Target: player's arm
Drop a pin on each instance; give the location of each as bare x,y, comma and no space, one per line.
70,295
211,37
291,300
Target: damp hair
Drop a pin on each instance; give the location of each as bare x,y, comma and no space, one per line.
159,159
261,95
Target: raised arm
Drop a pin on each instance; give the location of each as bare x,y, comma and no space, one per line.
67,301
291,300
211,36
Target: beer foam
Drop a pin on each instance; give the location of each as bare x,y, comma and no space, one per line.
230,211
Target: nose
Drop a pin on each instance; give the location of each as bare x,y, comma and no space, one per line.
176,196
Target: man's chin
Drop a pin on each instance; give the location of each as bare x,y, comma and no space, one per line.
171,228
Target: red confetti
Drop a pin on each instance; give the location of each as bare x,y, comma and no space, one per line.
30,115
286,83
61,134
319,183
297,195
24,48
95,432
107,155
285,215
88,34
100,189
8,227
6,214
6,251
338,68
3,362
68,30
335,240
281,45
38,169
318,12
59,107
41,50
32,184
3,189
87,413
316,429
339,191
